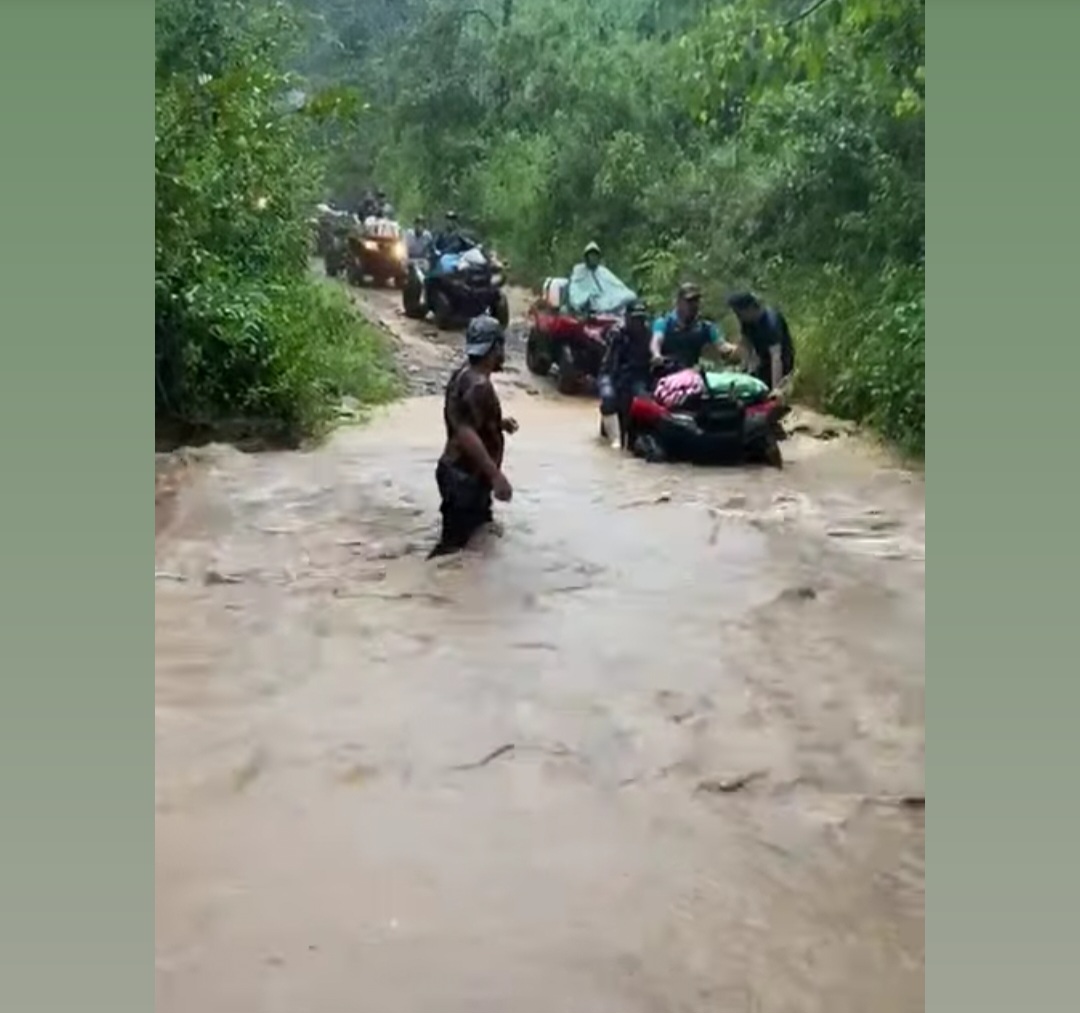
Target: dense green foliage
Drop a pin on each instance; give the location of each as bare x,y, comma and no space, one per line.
771,144
242,330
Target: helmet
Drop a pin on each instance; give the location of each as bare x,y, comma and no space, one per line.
482,335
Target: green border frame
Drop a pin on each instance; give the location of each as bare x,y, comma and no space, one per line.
76,533
1003,912
76,719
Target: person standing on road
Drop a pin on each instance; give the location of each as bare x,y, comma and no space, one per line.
418,241
469,472
766,335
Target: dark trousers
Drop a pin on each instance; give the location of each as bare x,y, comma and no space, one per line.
466,507
763,372
616,394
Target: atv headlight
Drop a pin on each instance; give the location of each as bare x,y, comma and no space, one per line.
370,244
399,250
496,279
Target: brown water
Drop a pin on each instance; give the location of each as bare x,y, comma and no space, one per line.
699,696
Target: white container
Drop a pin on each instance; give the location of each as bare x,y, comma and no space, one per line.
553,291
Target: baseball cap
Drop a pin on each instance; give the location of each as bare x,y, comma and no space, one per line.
688,290
592,248
482,334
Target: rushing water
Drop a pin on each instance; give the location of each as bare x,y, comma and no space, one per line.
648,751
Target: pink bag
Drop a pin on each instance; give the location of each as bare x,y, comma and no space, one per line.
673,390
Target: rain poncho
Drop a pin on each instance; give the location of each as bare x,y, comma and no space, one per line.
599,290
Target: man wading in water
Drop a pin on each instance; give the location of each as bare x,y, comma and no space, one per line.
469,472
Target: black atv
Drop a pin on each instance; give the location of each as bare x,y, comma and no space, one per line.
455,288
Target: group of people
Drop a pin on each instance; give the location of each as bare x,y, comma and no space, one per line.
469,473
422,244
374,205
681,339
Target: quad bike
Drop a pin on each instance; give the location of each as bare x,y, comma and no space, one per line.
377,251
332,239
717,426
572,342
456,288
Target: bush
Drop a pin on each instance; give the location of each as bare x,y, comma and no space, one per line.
242,329
861,351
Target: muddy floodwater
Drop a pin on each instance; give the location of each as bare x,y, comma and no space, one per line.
658,747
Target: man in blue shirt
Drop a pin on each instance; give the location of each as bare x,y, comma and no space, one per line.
683,335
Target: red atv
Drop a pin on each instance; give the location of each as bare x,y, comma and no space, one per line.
574,343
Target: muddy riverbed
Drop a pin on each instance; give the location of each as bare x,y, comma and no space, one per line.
659,747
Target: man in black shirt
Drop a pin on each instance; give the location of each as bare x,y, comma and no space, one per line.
469,472
766,334
624,372
451,239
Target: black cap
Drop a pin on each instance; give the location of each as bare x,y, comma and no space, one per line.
688,290
637,308
742,301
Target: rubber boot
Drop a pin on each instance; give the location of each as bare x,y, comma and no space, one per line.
611,431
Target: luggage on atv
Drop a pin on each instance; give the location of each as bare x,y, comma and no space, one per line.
455,288
731,420
572,342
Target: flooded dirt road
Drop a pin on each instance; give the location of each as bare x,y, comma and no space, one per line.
657,748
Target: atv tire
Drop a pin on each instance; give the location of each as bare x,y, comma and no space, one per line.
412,300
500,310
537,354
332,263
569,381
648,448
443,310
773,456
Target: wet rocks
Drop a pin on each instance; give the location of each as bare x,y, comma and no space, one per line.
730,785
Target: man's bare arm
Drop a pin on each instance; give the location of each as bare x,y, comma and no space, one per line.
777,364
